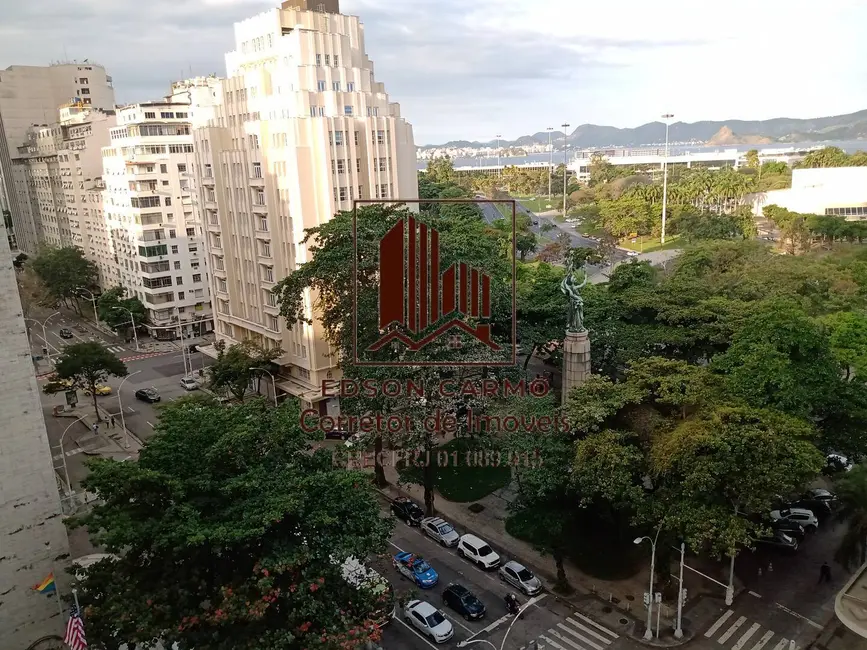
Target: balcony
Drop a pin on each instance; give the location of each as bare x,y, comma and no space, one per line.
155,267
159,298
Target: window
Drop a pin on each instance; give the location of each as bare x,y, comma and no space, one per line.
335,137
318,59
263,224
179,280
193,248
168,201
336,61
197,277
270,299
360,193
341,164
177,266
164,169
356,138
83,81
335,85
383,191
380,137
273,323
174,250
312,111
266,249
347,110
172,234
167,115
257,170
327,59
342,194
259,197
180,295
182,168
350,86
221,286
267,274
321,85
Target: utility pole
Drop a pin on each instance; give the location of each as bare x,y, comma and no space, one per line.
550,130
681,595
565,162
667,117
498,153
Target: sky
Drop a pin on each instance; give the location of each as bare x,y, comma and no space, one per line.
472,70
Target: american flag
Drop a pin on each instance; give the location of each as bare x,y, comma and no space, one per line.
75,631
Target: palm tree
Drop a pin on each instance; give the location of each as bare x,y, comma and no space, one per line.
852,496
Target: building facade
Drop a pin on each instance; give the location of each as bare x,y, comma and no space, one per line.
33,535
838,191
155,240
298,130
58,178
31,95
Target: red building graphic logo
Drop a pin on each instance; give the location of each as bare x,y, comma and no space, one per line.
414,296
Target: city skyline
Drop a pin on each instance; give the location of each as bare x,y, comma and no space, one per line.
591,65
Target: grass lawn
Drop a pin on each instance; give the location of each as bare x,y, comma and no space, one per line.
594,546
650,244
539,203
461,482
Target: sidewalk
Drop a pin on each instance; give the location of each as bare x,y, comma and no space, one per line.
607,600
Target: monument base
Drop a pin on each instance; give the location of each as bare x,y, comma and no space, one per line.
576,361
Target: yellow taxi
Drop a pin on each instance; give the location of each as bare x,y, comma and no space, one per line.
101,389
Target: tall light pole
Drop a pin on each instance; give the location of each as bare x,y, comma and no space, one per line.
273,382
132,320
550,131
498,153
678,631
42,324
63,453
120,406
648,633
565,162
92,299
667,117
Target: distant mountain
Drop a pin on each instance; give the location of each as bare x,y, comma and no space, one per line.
725,136
781,129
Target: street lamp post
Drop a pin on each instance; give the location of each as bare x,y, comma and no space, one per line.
550,131
464,644
565,163
120,406
666,117
678,631
63,453
648,633
273,382
498,153
132,321
92,299
42,324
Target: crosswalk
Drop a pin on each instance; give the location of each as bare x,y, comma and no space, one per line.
577,632
116,348
743,634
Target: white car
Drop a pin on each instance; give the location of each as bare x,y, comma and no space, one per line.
428,620
519,576
440,530
632,253
477,550
799,515
188,383
354,439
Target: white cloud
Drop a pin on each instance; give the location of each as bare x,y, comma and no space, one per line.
471,70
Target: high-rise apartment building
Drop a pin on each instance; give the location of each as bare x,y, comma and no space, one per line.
299,129
58,178
31,95
33,535
155,235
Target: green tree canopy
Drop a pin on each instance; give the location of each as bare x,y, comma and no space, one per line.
230,534
85,366
64,271
114,309
236,366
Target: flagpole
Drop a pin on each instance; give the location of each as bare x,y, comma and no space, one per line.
75,598
56,584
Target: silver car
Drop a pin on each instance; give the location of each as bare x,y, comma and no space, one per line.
440,530
521,577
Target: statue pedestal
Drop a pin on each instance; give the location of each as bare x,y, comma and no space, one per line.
576,361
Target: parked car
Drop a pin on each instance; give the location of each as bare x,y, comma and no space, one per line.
415,568
440,530
337,434
519,576
779,540
149,395
188,383
477,550
101,389
804,517
820,501
407,511
65,333
354,439
463,601
791,528
836,463
428,620
632,253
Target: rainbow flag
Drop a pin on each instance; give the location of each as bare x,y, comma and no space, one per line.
47,586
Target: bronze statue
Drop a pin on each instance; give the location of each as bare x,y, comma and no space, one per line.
571,288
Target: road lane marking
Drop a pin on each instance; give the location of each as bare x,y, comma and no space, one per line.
746,636
492,626
592,644
547,640
570,642
587,630
399,549
763,641
796,615
734,628
130,409
417,633
753,593
149,424
782,644
716,626
454,620
595,624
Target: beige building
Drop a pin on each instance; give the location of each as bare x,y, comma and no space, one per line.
838,191
156,237
299,129
33,535
31,95
58,179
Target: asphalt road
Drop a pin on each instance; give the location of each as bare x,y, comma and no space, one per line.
546,618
